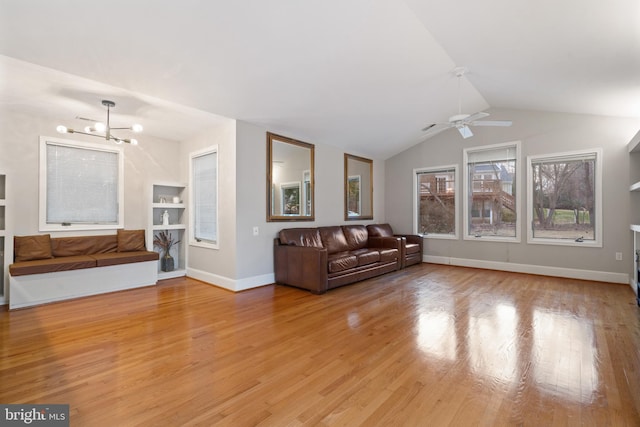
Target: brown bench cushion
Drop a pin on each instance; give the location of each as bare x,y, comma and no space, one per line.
83,245
52,265
28,248
117,258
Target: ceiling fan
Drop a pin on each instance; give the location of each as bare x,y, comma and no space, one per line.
462,121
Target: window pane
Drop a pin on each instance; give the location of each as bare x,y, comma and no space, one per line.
492,192
436,202
564,198
205,187
82,185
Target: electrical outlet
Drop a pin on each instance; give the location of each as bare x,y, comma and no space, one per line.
256,231
618,256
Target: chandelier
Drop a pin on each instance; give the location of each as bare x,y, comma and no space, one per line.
102,130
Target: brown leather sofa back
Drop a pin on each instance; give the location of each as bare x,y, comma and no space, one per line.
380,230
333,239
357,236
301,237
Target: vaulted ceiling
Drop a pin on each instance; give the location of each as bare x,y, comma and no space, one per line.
364,75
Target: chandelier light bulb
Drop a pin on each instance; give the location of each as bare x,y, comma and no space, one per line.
61,129
88,129
134,141
136,127
100,127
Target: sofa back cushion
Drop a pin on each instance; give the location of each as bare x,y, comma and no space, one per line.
301,237
380,230
84,245
30,248
333,239
356,235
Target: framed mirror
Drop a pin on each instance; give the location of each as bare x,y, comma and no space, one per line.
289,179
358,188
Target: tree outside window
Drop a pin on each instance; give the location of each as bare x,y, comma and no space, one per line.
564,197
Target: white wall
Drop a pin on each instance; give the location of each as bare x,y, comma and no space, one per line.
255,253
217,266
152,160
540,133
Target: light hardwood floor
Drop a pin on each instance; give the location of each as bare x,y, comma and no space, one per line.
430,345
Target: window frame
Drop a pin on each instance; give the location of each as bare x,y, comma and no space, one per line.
416,204
597,241
193,241
466,209
45,142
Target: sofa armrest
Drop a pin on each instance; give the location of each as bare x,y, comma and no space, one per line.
414,238
301,266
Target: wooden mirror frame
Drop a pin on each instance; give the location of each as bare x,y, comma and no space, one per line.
364,207
304,184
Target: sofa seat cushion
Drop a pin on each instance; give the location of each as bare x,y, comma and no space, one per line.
412,248
388,255
117,258
341,261
367,256
52,265
333,239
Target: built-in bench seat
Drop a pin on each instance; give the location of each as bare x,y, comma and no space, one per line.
52,269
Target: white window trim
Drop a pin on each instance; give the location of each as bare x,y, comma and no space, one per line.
465,192
192,239
597,242
456,234
42,200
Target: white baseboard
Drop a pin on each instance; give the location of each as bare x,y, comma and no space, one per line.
571,273
234,285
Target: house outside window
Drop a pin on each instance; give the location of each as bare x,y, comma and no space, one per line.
491,202
565,198
435,202
203,200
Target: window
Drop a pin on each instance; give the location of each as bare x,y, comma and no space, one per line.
491,202
564,198
81,186
435,202
204,198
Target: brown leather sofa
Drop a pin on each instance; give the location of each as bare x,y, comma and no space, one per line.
323,258
411,248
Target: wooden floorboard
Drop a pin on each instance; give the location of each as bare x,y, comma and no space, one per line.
429,345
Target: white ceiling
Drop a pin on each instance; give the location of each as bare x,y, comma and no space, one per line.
364,75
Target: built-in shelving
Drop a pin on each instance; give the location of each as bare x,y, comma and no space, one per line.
169,198
634,188
5,250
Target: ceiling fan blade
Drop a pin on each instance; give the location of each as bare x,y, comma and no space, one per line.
504,123
476,116
465,131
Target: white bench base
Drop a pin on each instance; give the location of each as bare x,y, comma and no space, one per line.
34,289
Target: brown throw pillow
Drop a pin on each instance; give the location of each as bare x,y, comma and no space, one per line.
131,240
30,248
